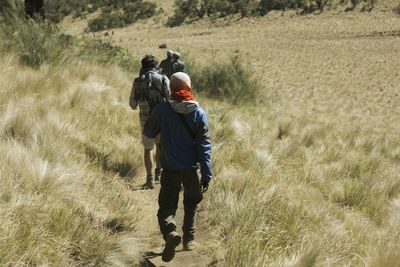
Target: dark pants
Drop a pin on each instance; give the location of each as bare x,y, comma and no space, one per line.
171,182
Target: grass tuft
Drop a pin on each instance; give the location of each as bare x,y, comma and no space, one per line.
232,80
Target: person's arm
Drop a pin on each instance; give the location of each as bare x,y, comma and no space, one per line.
167,90
204,147
183,67
161,67
133,101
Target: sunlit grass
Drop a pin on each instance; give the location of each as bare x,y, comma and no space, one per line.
291,188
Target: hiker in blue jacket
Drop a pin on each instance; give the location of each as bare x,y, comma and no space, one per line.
185,146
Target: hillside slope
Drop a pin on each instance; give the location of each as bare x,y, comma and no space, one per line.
308,176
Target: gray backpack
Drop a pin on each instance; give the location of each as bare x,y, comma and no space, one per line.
150,87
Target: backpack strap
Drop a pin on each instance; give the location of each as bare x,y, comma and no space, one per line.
149,84
163,86
190,131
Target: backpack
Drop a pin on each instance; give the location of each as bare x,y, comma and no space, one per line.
150,87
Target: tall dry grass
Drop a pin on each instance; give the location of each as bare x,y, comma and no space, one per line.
297,189
68,147
292,188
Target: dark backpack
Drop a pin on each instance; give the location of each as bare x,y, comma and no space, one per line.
150,87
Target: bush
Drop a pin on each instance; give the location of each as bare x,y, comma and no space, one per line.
231,80
139,10
189,10
195,9
114,13
38,43
34,43
56,10
368,5
106,21
104,53
128,14
5,5
397,9
268,5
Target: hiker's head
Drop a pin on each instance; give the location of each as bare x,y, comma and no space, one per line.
180,81
170,53
149,62
176,56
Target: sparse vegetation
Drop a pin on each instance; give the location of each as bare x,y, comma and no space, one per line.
119,16
38,43
189,10
303,195
64,191
232,81
303,179
56,198
113,13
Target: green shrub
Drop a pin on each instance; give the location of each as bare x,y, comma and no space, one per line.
195,9
231,80
106,21
116,17
38,43
56,10
114,13
35,43
268,5
183,9
189,10
139,10
397,9
368,5
5,5
104,53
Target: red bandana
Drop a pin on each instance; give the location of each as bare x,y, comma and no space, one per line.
182,95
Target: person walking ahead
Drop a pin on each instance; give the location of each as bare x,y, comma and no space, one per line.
166,64
185,146
148,90
178,65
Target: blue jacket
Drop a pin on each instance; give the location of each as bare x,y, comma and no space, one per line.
179,151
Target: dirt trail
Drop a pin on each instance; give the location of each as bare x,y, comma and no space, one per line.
154,242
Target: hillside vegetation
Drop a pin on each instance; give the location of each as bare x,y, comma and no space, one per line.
190,10
112,14
64,126
303,176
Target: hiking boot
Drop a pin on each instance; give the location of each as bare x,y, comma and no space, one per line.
157,174
172,240
149,183
190,245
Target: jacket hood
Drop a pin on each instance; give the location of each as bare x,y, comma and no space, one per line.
184,107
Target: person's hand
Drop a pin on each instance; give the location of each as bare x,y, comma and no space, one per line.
204,186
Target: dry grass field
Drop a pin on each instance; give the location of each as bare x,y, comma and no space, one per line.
307,176
316,61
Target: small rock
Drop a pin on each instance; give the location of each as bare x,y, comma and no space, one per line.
163,46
